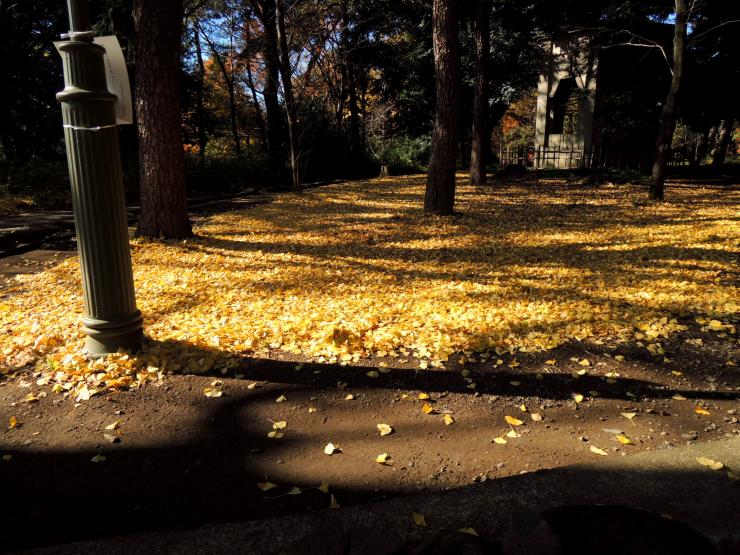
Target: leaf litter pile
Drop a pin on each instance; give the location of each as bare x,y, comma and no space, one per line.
352,271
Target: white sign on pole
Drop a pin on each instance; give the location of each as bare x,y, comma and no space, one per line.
117,77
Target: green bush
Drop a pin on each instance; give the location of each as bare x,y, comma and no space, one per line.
404,154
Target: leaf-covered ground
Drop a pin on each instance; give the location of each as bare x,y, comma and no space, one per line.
584,325
355,270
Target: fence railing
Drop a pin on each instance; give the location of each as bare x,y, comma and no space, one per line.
569,158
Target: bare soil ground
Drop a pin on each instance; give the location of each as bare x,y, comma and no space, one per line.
181,459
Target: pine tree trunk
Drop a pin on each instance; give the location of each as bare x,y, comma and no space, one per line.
480,143
668,117
725,134
286,76
275,127
158,28
440,192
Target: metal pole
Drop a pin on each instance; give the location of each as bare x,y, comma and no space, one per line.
111,320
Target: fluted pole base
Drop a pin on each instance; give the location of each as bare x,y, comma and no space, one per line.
111,320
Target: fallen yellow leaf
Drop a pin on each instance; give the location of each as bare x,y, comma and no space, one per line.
383,458
624,440
423,396
448,419
281,399
536,416
419,519
13,422
703,411
598,451
385,429
427,408
678,397
281,425
330,449
266,486
714,465
577,397
99,458
628,415
500,440
114,426
513,421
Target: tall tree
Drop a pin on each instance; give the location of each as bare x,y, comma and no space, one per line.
158,27
440,191
286,76
265,12
668,117
480,139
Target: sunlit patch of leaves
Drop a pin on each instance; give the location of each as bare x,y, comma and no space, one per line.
356,270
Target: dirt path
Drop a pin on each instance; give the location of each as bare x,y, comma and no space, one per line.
182,459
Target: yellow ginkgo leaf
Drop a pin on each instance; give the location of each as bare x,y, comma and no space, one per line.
624,440
372,374
312,409
274,434
468,530
513,434
333,503
423,396
515,383
349,397
383,458
598,451
385,429
703,411
330,449
551,362
427,408
266,486
513,421
114,426
281,399
213,392
714,465
295,490
620,358
448,419
500,440
13,422
577,397
628,415
584,362
536,416
678,397
676,373
419,519
523,407
99,458
281,425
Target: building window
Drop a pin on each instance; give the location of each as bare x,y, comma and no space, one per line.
566,108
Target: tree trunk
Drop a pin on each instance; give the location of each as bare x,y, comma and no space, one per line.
668,117
270,92
725,134
200,96
440,191
286,78
480,141
158,28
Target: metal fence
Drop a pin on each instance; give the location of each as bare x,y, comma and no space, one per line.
568,158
